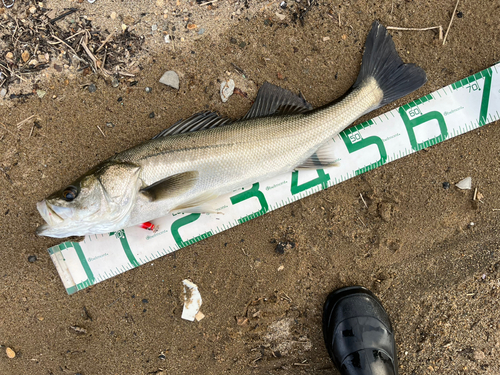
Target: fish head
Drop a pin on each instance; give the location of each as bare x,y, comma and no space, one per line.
98,202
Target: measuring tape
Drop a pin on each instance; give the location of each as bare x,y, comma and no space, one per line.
453,110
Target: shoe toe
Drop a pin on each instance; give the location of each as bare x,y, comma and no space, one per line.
357,330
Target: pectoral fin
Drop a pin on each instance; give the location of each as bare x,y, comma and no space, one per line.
171,186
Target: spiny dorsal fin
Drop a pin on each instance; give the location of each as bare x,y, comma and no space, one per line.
271,99
322,158
198,121
171,186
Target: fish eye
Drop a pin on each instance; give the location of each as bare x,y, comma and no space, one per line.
70,193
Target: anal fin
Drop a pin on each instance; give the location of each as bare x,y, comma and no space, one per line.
199,204
322,158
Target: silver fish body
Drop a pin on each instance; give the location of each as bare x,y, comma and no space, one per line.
189,169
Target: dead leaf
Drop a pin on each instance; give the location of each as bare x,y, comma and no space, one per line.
25,56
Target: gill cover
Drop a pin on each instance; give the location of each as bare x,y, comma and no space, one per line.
101,201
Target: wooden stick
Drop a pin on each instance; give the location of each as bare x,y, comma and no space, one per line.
20,124
108,38
361,195
452,17
418,29
104,135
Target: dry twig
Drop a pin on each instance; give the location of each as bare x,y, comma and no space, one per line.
20,124
104,135
440,28
452,17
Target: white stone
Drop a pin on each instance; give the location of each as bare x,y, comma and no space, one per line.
226,90
171,79
465,184
280,16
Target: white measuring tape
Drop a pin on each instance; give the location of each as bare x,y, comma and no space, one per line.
453,110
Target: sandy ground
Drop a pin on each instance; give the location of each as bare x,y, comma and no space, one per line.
438,276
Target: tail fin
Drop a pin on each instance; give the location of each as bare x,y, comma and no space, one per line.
382,62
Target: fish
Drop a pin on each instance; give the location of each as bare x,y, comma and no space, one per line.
194,161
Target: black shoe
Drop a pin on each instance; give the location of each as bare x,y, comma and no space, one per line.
358,333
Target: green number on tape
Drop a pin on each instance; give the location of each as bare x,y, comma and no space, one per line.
81,256
486,96
354,142
253,192
322,180
176,225
411,124
126,247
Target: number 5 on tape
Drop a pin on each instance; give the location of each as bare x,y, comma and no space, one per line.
354,142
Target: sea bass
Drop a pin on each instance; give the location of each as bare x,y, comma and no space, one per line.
200,158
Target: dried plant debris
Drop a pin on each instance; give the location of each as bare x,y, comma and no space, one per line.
32,38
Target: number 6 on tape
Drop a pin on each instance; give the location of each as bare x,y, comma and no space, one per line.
411,124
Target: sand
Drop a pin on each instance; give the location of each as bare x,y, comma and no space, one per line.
413,245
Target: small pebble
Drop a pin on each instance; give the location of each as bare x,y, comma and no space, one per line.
41,93
465,184
10,353
460,14
199,316
92,88
201,31
171,79
120,99
3,92
446,185
167,38
280,16
154,27
32,258
113,15
283,5
282,246
110,125
148,89
226,90
152,115
162,357
115,83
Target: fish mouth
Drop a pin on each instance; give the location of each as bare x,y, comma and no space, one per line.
47,214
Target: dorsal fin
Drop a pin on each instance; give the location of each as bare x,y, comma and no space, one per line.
273,100
270,100
198,121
